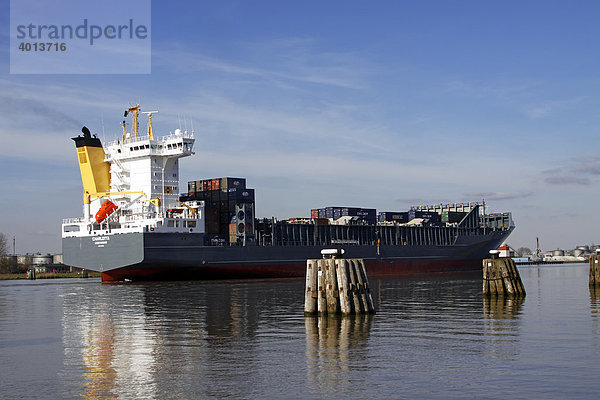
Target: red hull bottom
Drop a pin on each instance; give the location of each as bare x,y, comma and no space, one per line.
374,268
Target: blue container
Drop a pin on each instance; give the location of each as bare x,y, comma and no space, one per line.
393,216
244,195
329,212
232,183
367,214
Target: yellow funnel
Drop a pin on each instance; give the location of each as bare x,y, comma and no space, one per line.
95,172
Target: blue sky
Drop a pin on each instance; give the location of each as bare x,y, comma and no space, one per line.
383,104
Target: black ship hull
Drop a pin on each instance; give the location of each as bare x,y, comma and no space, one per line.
173,256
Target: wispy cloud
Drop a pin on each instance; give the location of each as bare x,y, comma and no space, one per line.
567,180
281,62
497,195
577,171
545,109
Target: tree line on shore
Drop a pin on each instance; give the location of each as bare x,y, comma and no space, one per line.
9,265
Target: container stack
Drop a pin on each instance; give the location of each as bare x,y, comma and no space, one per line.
223,198
452,216
431,216
393,216
368,215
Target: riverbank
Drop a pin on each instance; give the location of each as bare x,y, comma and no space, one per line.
49,275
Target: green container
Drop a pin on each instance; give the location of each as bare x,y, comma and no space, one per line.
452,216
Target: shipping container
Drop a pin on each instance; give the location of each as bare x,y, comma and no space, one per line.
215,196
233,233
431,216
212,214
314,213
231,206
366,214
226,217
212,220
452,216
191,187
322,213
206,185
245,195
393,216
200,196
224,206
232,183
224,229
215,184
329,211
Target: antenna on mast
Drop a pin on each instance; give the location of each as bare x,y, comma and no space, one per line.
149,113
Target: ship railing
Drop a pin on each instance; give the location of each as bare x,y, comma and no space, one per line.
73,220
145,138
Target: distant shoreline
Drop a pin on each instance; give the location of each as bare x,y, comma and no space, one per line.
549,262
49,275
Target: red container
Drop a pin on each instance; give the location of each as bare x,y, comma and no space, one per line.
314,213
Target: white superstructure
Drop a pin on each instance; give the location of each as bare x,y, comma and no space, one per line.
144,185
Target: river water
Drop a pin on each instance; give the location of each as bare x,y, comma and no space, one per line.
431,338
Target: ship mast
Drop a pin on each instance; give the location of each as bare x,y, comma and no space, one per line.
149,113
134,123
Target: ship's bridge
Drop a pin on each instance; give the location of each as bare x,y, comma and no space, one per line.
176,144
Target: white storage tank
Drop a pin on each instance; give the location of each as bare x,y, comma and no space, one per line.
39,259
25,259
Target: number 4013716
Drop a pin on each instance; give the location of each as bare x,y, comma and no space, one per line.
43,46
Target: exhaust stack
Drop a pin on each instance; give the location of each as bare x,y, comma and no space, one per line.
95,172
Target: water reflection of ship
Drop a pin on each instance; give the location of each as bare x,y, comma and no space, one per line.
114,349
132,339
334,345
98,355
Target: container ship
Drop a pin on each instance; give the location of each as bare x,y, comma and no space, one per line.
137,226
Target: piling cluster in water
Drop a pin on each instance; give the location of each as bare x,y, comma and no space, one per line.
335,286
501,278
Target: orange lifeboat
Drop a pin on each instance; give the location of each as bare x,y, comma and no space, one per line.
108,207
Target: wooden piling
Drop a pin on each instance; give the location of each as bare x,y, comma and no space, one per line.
594,270
369,305
354,295
331,287
501,278
343,286
507,278
486,278
321,296
310,295
517,282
